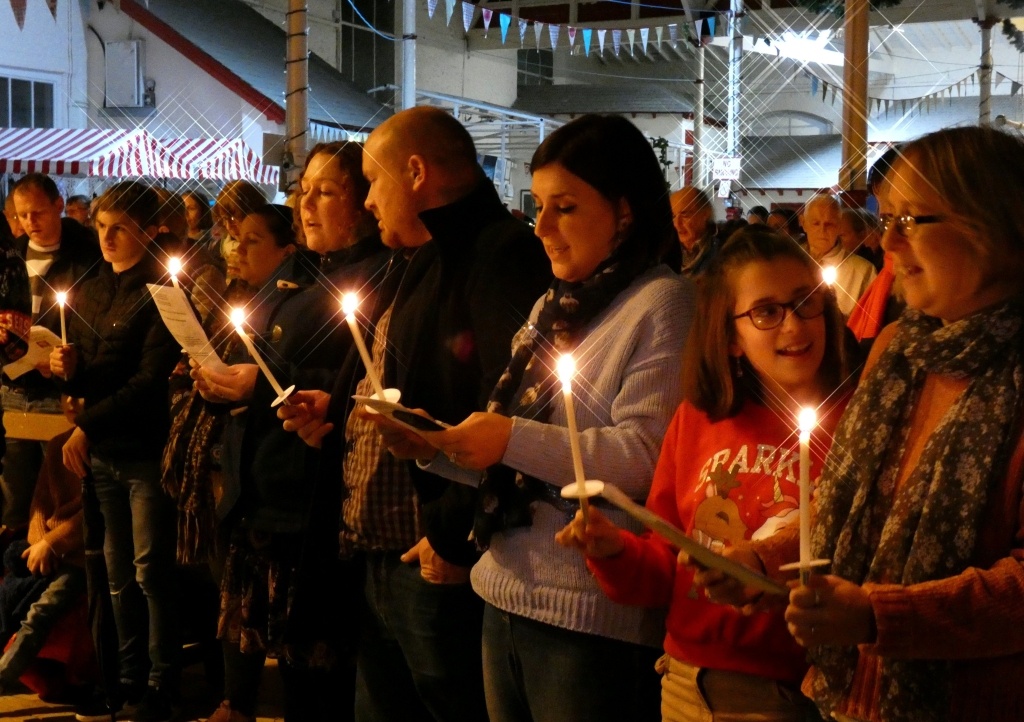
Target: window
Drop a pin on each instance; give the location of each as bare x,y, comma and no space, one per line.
25,103
536,67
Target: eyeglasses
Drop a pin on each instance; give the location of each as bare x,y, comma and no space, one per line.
905,225
771,315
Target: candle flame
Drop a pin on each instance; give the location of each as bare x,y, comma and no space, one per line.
62,298
806,420
349,303
828,275
566,368
174,265
237,317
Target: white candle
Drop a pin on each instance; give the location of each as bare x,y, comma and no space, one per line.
566,370
829,275
62,298
806,421
238,318
349,304
174,268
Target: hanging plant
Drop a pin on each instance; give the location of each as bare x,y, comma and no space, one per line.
661,145
1015,36
836,7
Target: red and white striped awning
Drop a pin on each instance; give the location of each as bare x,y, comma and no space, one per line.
94,152
222,159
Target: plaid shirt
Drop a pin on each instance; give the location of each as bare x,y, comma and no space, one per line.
380,511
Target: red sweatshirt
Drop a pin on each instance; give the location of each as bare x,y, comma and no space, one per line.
721,482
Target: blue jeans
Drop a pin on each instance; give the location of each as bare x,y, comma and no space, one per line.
419,655
66,587
535,672
139,549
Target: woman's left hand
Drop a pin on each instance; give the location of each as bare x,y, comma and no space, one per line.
477,443
236,384
830,610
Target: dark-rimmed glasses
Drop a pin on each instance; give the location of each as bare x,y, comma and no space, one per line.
905,225
771,315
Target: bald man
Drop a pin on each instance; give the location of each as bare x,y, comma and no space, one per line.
467,275
694,219
820,220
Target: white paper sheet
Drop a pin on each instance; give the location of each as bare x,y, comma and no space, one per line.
184,326
41,341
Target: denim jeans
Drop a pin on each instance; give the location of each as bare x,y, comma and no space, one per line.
535,672
419,656
139,549
65,589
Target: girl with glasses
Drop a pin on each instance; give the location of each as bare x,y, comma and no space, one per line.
765,342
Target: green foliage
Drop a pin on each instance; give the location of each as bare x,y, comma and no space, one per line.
661,145
1015,36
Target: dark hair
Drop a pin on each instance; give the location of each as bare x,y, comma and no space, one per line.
792,220
238,198
612,155
279,221
710,379
84,200
135,199
759,211
880,168
205,212
39,181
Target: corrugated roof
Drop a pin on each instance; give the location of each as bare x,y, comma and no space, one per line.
579,99
253,48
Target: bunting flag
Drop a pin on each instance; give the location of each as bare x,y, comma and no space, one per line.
658,33
1014,88
631,34
538,28
553,30
504,20
487,13
52,4
814,85
467,14
999,78
18,6
588,35
572,37
616,41
522,31
673,34
431,7
449,9
711,26
645,34
600,38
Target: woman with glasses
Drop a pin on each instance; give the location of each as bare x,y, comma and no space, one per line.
920,502
235,201
766,341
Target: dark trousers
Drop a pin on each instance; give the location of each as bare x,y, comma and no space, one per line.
419,655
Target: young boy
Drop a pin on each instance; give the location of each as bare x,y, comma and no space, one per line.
119,358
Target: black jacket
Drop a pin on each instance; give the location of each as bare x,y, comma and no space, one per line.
125,355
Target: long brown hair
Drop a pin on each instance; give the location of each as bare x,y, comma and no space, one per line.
710,380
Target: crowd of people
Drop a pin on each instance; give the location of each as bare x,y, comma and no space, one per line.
398,573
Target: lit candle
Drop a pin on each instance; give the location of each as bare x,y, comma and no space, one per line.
349,304
238,318
174,268
806,421
566,370
828,275
62,298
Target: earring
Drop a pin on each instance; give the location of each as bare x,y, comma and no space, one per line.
739,367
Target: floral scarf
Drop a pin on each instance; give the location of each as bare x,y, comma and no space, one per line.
927,528
526,388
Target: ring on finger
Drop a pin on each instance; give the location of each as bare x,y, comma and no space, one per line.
453,457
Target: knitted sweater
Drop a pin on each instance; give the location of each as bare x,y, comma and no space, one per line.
628,387
56,511
974,619
722,483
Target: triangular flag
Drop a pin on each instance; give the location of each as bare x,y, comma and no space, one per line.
697,26
673,33
52,4
522,30
878,105
1014,88
887,104
999,78
972,78
588,35
711,26
645,34
600,38
903,107
572,37
487,13
467,14
631,34
814,85
18,6
824,90
537,29
658,33
504,20
431,7
449,8
833,95
553,34
616,41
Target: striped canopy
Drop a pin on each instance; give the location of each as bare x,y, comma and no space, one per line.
221,159
92,152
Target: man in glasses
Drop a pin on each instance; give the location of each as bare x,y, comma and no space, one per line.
820,221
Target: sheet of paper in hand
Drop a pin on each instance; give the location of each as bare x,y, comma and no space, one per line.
181,321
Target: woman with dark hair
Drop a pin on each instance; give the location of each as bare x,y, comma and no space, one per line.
198,214
920,506
605,222
766,341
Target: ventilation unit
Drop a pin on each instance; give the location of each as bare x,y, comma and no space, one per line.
125,74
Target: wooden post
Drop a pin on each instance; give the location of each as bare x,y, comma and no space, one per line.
296,108
985,71
853,172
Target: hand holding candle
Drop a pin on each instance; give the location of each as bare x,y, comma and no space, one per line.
174,268
829,275
62,299
566,370
238,319
349,304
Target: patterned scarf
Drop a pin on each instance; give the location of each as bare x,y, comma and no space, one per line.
927,528
527,386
